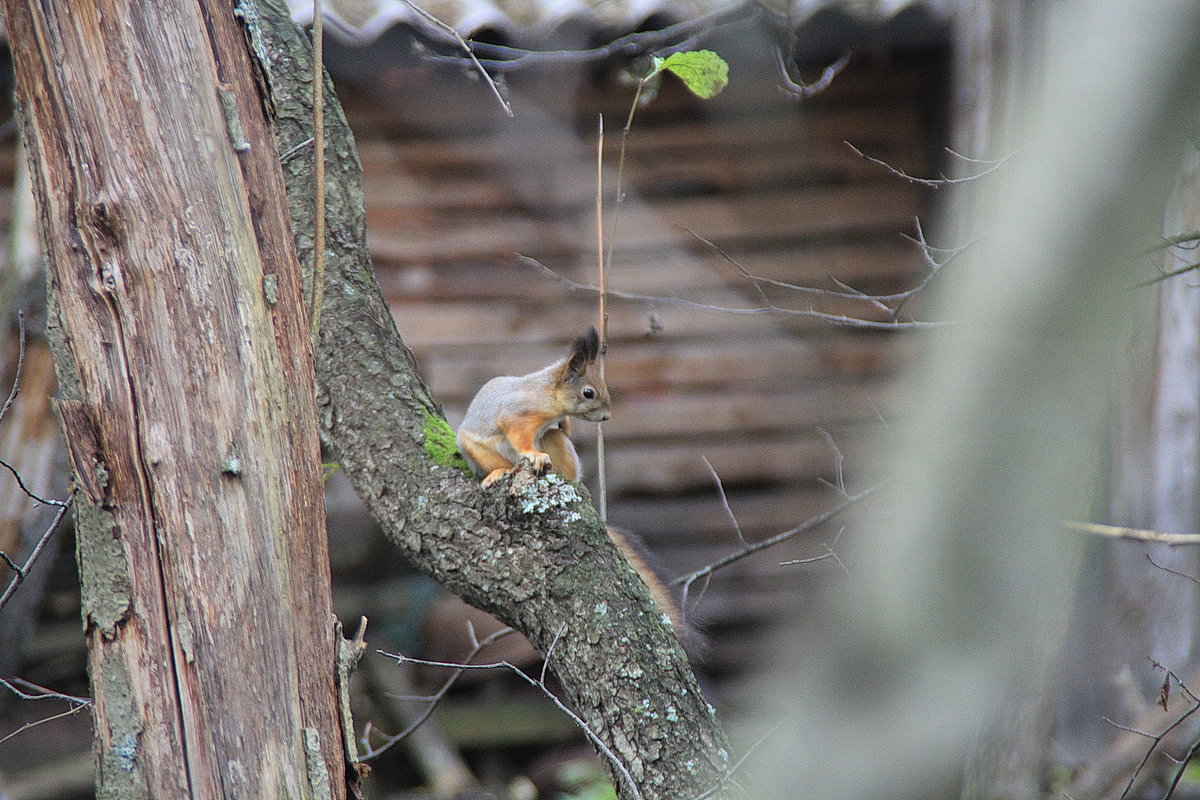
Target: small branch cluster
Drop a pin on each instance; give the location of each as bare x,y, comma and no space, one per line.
769,308
540,684
477,645
21,571
1156,739
31,691
985,168
499,59
748,548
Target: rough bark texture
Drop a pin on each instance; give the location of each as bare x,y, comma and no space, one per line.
186,394
531,552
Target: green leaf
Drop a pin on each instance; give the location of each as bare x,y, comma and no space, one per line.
703,72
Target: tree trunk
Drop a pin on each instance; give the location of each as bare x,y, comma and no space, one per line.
533,554
969,574
1156,457
995,53
1139,607
183,363
1127,611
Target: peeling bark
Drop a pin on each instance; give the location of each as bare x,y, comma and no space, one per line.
183,361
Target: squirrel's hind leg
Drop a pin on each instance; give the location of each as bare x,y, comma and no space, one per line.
484,459
563,458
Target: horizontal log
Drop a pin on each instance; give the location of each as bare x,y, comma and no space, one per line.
424,236
566,180
880,263
817,129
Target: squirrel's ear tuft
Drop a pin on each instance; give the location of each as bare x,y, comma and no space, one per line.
584,349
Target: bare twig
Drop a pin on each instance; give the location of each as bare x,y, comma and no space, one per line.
1172,675
749,549
37,551
797,88
1190,238
432,700
292,151
468,49
829,554
838,458
7,404
834,319
29,492
16,384
1136,534
36,692
755,280
799,562
28,725
879,302
1183,762
934,183
32,691
725,780
501,58
318,116
540,685
935,266
725,502
602,262
1165,568
1128,729
12,395
850,292
1157,739
12,564
1164,276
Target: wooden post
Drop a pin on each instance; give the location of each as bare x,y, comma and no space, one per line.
186,381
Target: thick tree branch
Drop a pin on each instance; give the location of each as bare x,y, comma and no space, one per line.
532,551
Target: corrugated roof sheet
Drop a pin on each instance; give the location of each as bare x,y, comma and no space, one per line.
526,21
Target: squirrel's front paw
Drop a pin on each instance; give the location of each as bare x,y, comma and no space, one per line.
540,462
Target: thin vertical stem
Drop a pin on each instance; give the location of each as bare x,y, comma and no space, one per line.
602,265
318,100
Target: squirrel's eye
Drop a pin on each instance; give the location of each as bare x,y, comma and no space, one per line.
589,393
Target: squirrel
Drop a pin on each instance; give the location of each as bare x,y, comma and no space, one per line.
528,418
